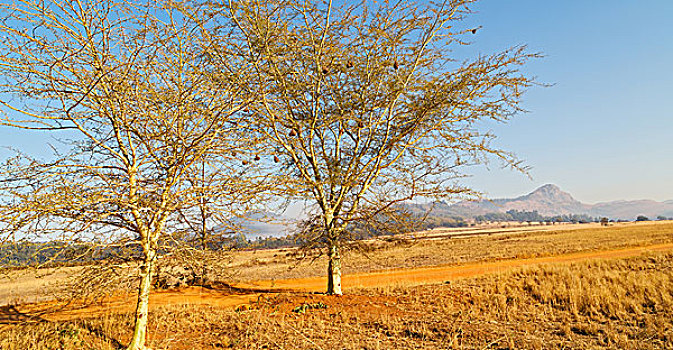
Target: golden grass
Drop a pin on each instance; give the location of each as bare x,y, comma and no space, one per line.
30,285
619,303
624,303
602,304
382,255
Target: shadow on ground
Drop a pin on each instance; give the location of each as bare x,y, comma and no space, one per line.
10,315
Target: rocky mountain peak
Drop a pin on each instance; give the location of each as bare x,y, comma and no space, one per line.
549,193
548,188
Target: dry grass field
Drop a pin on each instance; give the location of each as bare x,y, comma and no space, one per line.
378,255
513,243
615,302
31,285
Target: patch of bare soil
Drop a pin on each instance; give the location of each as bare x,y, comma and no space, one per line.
438,274
245,294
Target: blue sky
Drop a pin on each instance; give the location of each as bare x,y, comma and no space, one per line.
604,131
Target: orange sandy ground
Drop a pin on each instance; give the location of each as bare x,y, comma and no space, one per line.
249,292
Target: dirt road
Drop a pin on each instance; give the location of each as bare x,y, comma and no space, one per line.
438,274
249,292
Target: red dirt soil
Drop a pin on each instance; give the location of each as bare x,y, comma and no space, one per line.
243,294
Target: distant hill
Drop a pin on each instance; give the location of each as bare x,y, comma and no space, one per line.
550,200
547,200
631,209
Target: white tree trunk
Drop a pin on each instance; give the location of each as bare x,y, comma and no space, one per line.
334,271
142,308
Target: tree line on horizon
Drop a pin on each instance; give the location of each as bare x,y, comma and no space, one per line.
59,253
534,216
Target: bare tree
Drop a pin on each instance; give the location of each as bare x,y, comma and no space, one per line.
364,107
128,91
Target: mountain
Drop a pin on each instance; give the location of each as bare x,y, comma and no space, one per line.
631,209
550,200
547,200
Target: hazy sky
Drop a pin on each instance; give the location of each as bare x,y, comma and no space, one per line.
604,131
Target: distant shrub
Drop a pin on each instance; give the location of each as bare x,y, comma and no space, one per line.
604,221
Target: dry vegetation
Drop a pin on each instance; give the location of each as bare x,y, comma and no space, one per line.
620,303
381,255
31,285
36,285
625,304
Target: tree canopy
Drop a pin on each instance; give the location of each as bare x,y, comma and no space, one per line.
150,140
364,107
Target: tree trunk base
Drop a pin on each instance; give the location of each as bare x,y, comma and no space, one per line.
334,272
